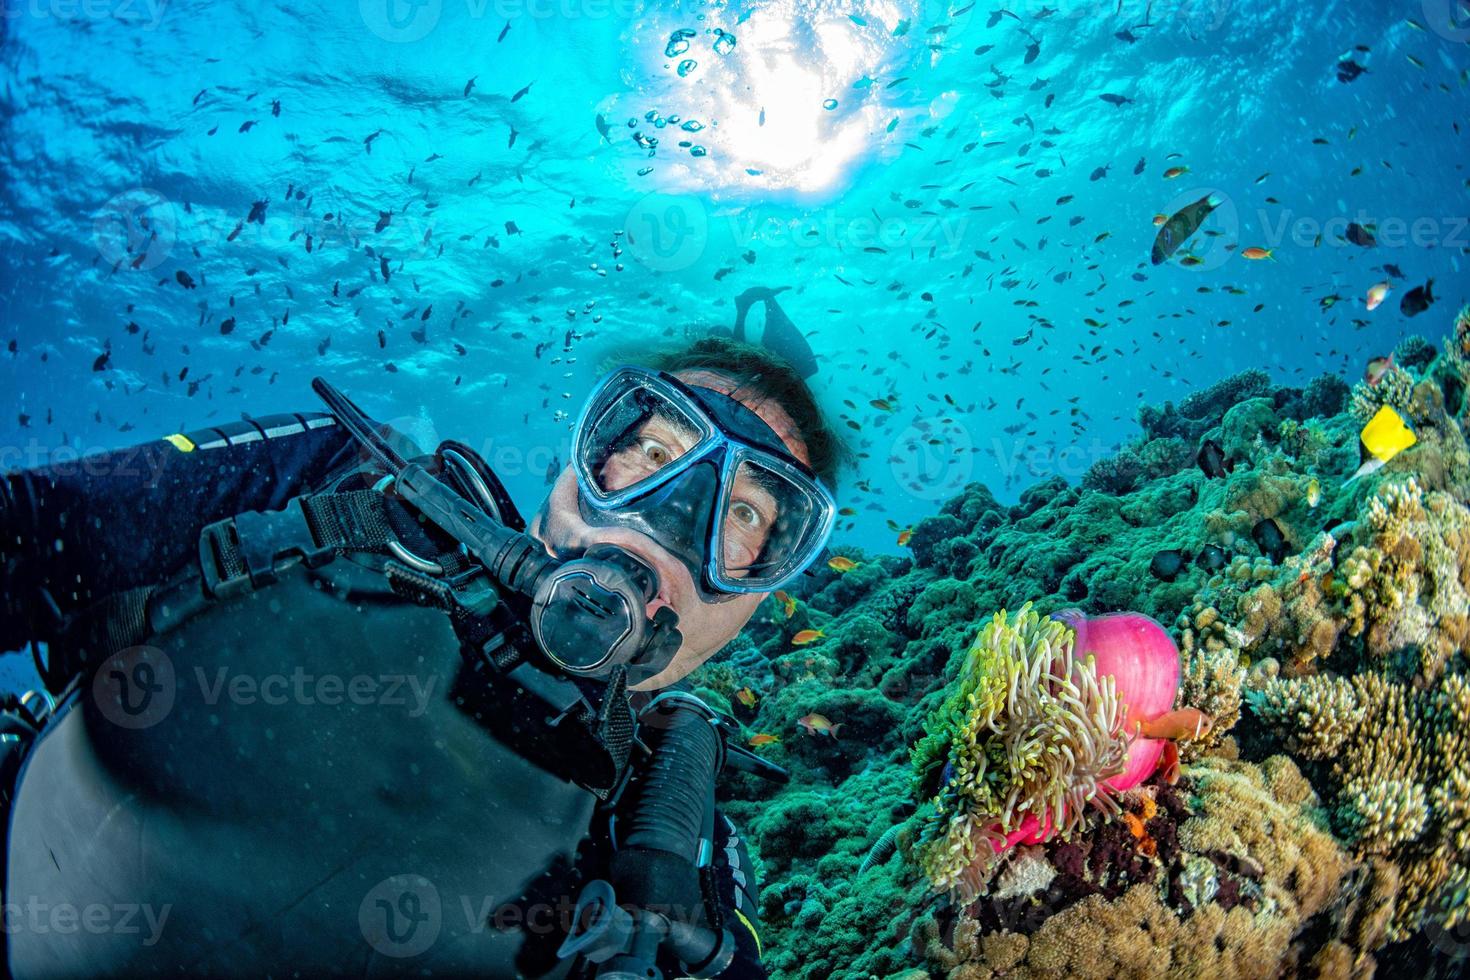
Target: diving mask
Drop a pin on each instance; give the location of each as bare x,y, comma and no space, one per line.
703,476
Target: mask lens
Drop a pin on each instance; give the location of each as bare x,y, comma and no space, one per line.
631,433
772,523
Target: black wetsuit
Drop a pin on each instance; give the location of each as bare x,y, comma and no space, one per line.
72,534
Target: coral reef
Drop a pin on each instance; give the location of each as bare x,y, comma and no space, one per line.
1231,895
1399,759
1320,828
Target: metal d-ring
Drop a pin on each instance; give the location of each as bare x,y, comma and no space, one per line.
396,548
472,476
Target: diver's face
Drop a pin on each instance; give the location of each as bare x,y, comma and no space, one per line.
706,626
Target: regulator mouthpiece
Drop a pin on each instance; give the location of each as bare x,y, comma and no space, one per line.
587,616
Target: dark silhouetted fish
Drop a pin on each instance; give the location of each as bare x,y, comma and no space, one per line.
1359,235
1212,558
1211,460
1267,535
1348,70
1185,222
1166,565
1115,100
1417,300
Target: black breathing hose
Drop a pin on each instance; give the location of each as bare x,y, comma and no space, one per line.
655,866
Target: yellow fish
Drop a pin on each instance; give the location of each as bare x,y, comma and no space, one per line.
1314,492
788,604
841,563
746,696
756,741
804,637
1385,436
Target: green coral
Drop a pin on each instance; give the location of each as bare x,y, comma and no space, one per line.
1027,731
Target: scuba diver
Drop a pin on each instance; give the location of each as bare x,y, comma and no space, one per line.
779,335
319,702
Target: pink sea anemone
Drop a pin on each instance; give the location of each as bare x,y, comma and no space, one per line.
1048,718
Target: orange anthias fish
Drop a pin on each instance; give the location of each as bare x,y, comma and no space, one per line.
1160,219
1173,172
904,536
804,637
1256,253
1377,368
746,696
788,604
756,741
841,563
815,724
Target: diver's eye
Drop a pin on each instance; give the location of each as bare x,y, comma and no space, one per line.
656,452
746,516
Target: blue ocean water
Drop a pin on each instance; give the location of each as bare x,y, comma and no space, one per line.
963,221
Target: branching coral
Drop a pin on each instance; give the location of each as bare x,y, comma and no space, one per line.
1408,585
1027,731
1394,389
1212,682
1400,765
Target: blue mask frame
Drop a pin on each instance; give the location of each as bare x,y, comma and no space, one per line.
683,508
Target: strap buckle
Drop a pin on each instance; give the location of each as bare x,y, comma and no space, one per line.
250,550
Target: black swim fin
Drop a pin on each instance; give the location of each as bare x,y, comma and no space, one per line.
781,336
